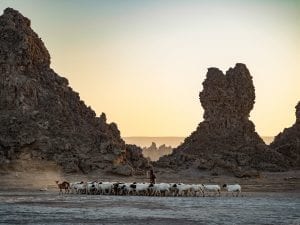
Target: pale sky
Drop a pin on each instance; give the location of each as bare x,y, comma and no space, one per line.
143,62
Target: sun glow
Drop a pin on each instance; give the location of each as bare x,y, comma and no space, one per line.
143,62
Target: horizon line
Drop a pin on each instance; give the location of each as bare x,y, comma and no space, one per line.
169,136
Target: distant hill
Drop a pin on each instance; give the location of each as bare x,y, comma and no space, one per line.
154,152
169,141
147,141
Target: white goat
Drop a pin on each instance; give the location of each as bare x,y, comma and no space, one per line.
181,189
233,188
117,188
161,189
92,187
78,187
81,188
141,188
212,188
127,188
105,187
73,187
197,189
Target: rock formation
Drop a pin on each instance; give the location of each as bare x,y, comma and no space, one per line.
288,142
41,117
154,152
226,139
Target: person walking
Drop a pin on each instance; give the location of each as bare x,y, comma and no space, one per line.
152,177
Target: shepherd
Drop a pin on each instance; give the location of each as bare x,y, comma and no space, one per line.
152,177
64,185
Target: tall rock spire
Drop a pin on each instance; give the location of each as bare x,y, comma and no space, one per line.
227,100
226,139
41,116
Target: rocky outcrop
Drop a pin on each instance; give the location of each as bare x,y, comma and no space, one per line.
135,157
288,142
41,117
154,152
226,139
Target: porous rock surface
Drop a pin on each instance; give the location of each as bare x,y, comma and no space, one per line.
225,141
42,118
288,142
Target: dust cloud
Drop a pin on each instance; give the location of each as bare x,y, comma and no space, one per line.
30,174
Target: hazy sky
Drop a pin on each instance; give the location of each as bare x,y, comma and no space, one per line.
143,62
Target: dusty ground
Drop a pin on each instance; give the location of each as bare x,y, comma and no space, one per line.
268,182
274,198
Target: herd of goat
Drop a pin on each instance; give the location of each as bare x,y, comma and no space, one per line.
146,189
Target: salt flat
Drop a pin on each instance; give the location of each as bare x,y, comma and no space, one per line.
33,207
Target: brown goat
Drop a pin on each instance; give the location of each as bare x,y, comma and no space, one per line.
64,185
